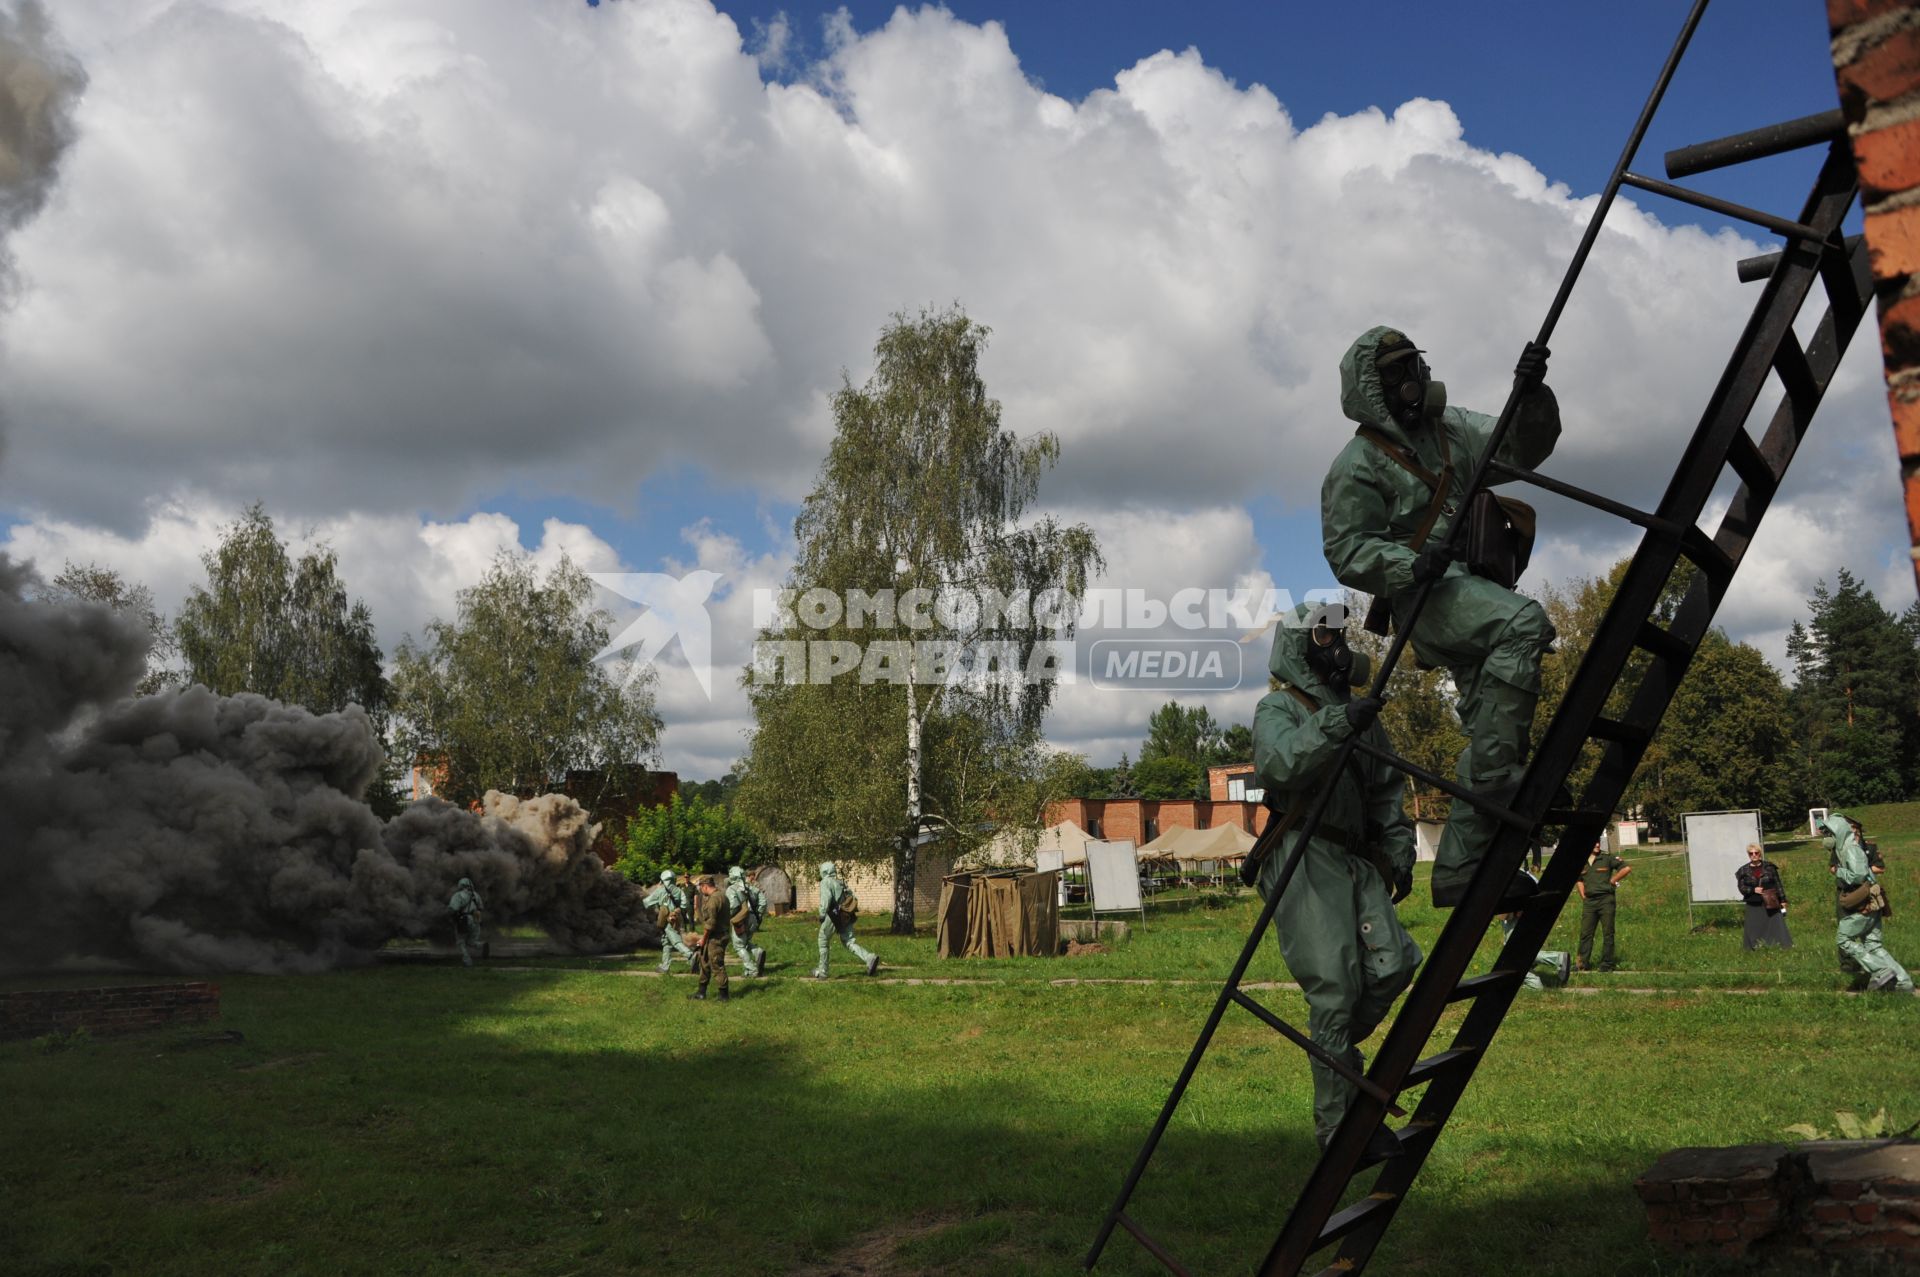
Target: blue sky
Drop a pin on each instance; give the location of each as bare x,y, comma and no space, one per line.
434,278
1559,84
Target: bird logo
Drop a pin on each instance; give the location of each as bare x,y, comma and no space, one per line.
675,606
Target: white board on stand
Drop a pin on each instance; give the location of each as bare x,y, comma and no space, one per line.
1113,876
1717,850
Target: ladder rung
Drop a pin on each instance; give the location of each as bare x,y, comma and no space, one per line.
1754,144
1354,1216
1746,460
1751,270
1726,208
1614,729
1477,985
1154,1248
1651,638
1790,362
1708,557
1318,1052
1434,1065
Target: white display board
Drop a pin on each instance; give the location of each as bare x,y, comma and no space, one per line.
1815,817
1049,858
1113,875
1716,851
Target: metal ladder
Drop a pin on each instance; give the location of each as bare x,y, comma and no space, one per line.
1815,252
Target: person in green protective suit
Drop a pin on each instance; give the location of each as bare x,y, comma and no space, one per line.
834,920
669,903
467,909
1385,509
743,896
1863,904
1336,922
1552,968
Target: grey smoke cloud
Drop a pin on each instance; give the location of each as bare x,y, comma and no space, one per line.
39,84
195,832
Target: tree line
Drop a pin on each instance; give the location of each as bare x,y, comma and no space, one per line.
502,695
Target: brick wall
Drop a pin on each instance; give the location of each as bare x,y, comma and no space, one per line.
1828,1198
1118,819
103,1011
1876,64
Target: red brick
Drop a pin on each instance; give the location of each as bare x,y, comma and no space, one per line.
1725,1231
1889,158
1767,1209
1903,405
1866,1212
1660,1190
1730,1210
1893,241
1844,1189
1844,13
1693,1230
1885,71
1832,1212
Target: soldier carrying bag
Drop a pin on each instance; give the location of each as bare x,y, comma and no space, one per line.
1500,530
847,908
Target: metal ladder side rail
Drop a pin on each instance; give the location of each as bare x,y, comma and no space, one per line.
1481,892
1622,630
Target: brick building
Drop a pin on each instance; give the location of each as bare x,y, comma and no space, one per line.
1876,64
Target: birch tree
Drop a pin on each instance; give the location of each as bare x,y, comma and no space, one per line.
921,501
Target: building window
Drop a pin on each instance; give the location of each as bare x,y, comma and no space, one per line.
1237,791
1153,828
1093,828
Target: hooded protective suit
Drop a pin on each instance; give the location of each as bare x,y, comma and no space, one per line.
1488,637
832,888
1336,923
670,901
740,892
466,908
1859,931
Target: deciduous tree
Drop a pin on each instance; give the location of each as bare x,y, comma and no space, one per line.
922,490
507,693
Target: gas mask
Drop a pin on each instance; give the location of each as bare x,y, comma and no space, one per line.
1412,393
1329,656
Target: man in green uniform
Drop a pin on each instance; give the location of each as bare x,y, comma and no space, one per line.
669,904
1864,904
1385,508
1336,923
835,919
716,928
466,908
749,907
1597,883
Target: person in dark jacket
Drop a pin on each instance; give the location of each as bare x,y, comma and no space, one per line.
1766,896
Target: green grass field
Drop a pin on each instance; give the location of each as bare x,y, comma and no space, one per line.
582,1117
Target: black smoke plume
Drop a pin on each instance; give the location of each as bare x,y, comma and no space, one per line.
194,832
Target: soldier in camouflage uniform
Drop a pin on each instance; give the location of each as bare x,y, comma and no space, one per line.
716,928
672,902
741,893
834,921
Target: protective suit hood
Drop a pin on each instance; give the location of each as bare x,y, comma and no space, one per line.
1362,397
1288,662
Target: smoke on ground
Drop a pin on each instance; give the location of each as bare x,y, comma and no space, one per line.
195,832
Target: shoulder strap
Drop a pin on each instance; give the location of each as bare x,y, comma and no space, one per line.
1312,706
1440,484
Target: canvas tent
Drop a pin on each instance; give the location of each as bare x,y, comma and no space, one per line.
1200,846
1067,838
999,914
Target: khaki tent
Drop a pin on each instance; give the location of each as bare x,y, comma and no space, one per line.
1200,846
1000,915
1009,847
